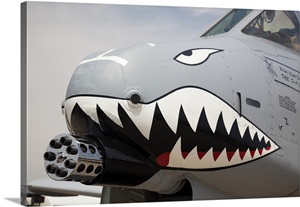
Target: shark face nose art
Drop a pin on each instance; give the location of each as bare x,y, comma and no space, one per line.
189,128
216,117
183,127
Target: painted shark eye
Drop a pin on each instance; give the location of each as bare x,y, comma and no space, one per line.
195,56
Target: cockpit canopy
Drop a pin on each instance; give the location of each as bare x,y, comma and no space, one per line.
278,26
227,22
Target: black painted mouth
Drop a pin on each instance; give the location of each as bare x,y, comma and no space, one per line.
162,138
229,149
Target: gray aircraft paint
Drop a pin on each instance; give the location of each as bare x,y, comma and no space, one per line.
242,71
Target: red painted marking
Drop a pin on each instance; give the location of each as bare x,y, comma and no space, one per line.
163,159
216,155
252,152
242,154
201,155
230,155
268,148
260,151
184,154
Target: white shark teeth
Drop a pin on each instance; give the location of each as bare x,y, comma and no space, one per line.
175,155
191,102
142,116
89,106
170,113
210,159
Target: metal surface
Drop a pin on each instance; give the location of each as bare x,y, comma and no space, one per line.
69,159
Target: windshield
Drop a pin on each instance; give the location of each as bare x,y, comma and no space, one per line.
228,22
277,26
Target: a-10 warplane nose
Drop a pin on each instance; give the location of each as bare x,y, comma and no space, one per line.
154,107
163,99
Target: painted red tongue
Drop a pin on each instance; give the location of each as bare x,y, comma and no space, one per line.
200,154
184,154
163,159
242,154
230,155
252,152
216,155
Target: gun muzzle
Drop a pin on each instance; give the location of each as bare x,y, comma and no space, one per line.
96,161
68,158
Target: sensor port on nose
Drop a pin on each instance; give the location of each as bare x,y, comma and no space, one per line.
135,98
